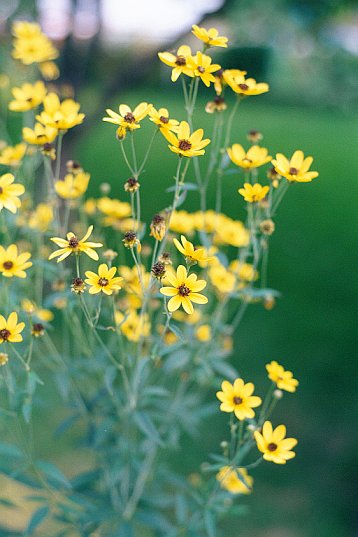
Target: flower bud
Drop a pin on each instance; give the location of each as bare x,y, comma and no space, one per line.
158,227
131,185
267,227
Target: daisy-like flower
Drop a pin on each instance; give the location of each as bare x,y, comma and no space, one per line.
203,68
223,75
191,254
10,329
161,118
60,115
253,193
105,281
238,398
179,62
283,379
73,186
31,45
222,279
127,118
210,37
273,444
12,155
235,480
73,245
246,86
184,290
39,135
256,156
10,192
12,263
28,96
296,169
41,217
186,144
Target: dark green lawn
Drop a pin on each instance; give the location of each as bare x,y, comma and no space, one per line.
312,262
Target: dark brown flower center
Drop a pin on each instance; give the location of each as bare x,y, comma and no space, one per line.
237,400
103,282
272,446
293,171
183,290
180,61
73,242
243,87
184,145
164,119
1,190
129,118
5,334
201,69
38,327
8,265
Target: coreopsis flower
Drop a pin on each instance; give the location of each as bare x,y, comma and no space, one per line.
245,271
41,217
31,45
161,118
246,86
49,70
32,309
191,254
221,77
49,151
185,290
253,193
283,379
9,193
165,258
185,144
4,358
273,444
238,398
296,169
73,245
127,118
12,155
203,333
60,115
10,329
203,68
231,232
39,135
114,210
104,281
179,62
222,279
235,480
182,222
12,263
256,156
210,37
158,227
37,330
131,185
73,185
254,136
132,325
217,105
28,96
130,240
78,286
158,270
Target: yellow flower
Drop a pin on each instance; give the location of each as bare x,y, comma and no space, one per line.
72,245
127,118
179,62
222,76
203,333
31,309
184,290
90,206
245,86
182,222
295,169
235,480
31,45
114,210
253,193
132,284
41,218
132,325
185,144
12,155
28,96
104,281
238,398
273,444
49,70
73,186
222,279
210,37
232,232
158,227
4,358
12,263
39,135
10,329
161,118
62,116
256,156
10,192
283,379
203,68
245,271
191,254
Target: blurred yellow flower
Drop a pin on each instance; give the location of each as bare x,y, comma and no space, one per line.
283,379
210,37
73,185
182,222
238,398
203,68
273,444
222,279
232,232
179,62
128,119
105,281
256,156
184,290
9,193
235,480
73,245
161,118
222,76
114,210
296,169
49,70
203,333
31,308
60,115
10,329
185,144
253,193
12,263
191,254
12,155
41,217
244,271
39,135
28,96
132,325
31,45
245,86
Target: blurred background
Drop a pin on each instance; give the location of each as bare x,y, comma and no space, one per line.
307,50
